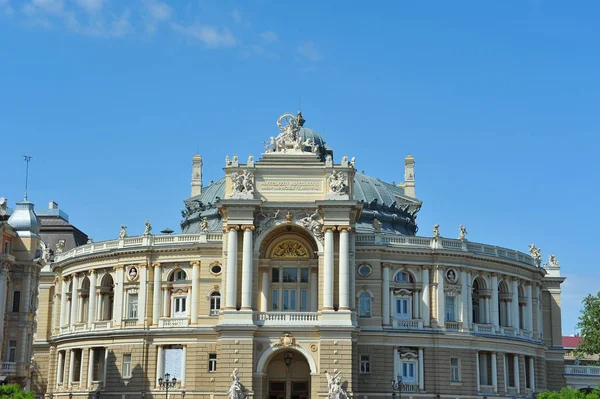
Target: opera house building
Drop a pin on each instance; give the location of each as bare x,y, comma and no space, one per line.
301,278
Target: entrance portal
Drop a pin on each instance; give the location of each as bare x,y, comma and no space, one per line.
288,376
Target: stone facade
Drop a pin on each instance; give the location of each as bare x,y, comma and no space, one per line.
294,271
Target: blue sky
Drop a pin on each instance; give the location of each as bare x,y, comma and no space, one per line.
497,101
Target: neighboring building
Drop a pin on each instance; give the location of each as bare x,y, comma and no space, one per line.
20,265
292,266
581,372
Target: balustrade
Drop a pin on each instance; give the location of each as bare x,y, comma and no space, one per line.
302,318
582,370
173,322
407,324
9,367
453,326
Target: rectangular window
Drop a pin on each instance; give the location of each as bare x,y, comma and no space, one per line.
408,372
290,275
6,247
289,299
364,305
132,311
454,369
212,362
365,364
304,275
98,367
402,308
12,350
179,306
303,300
127,365
61,367
450,309
275,300
16,305
274,275
78,353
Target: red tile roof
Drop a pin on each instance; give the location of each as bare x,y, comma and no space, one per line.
571,342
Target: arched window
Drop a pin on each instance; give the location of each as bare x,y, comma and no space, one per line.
402,277
215,303
178,275
364,305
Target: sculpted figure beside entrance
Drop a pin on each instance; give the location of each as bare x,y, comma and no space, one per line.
334,384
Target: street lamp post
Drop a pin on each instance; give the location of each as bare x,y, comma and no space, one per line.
167,383
397,386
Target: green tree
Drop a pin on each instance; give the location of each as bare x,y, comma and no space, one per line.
14,391
566,393
589,323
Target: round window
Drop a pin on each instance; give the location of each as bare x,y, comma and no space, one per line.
364,270
215,269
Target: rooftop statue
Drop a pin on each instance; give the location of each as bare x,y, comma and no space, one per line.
60,246
123,232
436,231
334,384
289,139
204,224
552,261
377,225
463,233
536,254
148,228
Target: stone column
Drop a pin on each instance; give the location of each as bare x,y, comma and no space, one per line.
487,309
71,366
441,298
119,292
232,251
529,317
478,376
156,305
328,269
74,301
469,300
159,364
64,317
385,311
264,290
314,289
195,293
90,377
343,269
540,312
352,270
516,372
3,274
421,371
495,314
515,305
494,372
532,373
464,300
165,302
426,310
92,300
183,363
60,367
28,276
247,267
143,294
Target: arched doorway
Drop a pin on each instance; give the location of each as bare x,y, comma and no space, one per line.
288,376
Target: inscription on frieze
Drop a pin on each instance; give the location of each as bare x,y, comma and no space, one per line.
282,185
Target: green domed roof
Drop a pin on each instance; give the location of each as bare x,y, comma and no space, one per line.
382,201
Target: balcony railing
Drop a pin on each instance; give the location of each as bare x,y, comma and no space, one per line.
582,370
483,328
9,367
173,322
453,326
129,323
487,389
401,324
279,318
102,324
410,387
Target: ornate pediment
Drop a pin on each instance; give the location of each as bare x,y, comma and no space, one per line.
290,249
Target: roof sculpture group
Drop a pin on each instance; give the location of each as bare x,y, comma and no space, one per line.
289,140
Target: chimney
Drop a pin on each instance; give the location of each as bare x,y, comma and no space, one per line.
196,175
52,205
409,176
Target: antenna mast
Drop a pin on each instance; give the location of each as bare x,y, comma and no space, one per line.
27,159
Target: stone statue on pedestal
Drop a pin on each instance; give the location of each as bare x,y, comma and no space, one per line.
334,384
235,390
